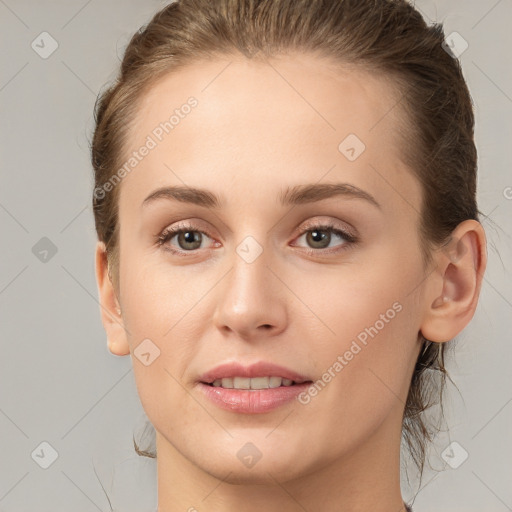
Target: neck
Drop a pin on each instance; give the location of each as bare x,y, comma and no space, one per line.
366,478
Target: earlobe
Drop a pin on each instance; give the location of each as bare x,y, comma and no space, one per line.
117,339
118,349
452,291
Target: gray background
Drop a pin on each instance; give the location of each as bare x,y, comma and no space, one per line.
60,385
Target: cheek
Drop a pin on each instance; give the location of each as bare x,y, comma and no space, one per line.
156,296
363,376
344,302
364,324
162,310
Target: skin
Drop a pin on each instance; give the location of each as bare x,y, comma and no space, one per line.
258,128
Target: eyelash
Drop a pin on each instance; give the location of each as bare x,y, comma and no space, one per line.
170,233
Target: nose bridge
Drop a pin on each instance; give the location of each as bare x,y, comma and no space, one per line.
250,276
249,296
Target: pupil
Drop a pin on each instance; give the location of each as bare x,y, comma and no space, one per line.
190,237
319,237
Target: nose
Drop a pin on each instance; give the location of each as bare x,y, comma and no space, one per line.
251,300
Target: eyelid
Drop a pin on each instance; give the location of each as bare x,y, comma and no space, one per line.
328,223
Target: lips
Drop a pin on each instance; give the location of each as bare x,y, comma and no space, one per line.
259,369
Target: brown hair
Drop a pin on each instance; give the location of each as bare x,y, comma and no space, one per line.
385,36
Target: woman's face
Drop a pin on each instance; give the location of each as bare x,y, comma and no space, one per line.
259,277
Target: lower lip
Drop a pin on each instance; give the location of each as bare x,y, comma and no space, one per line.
252,401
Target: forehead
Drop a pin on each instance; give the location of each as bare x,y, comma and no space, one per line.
290,119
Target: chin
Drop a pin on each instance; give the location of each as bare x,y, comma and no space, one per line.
260,474
243,463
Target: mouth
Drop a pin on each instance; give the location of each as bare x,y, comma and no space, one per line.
254,383
256,388
254,395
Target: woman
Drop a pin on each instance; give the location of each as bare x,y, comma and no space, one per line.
288,239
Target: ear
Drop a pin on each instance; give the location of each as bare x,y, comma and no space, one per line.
109,306
452,291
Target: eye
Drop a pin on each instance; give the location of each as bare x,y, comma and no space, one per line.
189,238
319,238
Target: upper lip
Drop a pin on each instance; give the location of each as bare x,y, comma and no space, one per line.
259,369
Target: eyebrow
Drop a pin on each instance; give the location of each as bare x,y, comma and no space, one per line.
296,195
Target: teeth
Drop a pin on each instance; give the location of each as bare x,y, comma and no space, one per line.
241,383
275,382
252,383
260,382
226,383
